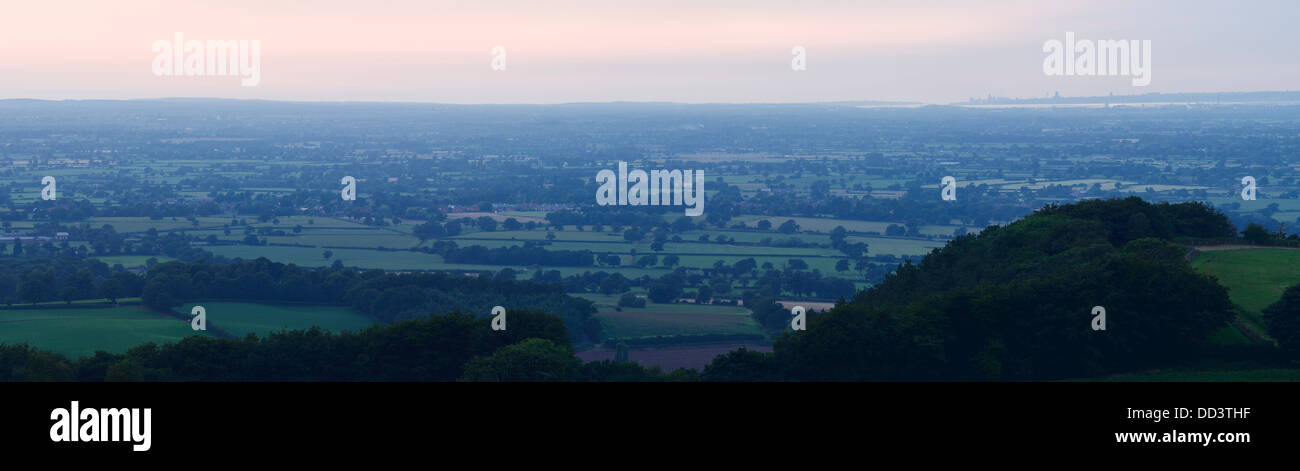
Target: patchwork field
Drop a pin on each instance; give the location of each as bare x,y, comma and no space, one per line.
313,257
827,225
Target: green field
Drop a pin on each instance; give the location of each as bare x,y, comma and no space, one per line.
695,254
240,319
341,238
81,331
313,257
1255,278
142,224
348,240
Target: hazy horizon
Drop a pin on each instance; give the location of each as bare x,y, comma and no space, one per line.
681,52
883,103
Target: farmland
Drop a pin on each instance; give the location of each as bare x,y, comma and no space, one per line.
805,207
240,319
82,331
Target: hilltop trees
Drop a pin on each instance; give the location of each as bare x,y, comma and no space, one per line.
1014,302
742,365
529,360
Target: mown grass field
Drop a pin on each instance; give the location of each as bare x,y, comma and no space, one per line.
81,331
1255,278
240,319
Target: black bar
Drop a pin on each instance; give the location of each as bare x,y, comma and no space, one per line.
252,419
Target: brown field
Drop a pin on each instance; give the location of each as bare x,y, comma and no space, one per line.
646,323
671,358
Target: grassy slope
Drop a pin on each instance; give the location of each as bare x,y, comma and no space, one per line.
1255,278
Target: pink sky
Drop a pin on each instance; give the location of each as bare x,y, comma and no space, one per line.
439,51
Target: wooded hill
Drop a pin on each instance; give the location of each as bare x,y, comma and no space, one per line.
1015,302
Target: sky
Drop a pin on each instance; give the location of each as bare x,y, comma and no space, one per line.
680,51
